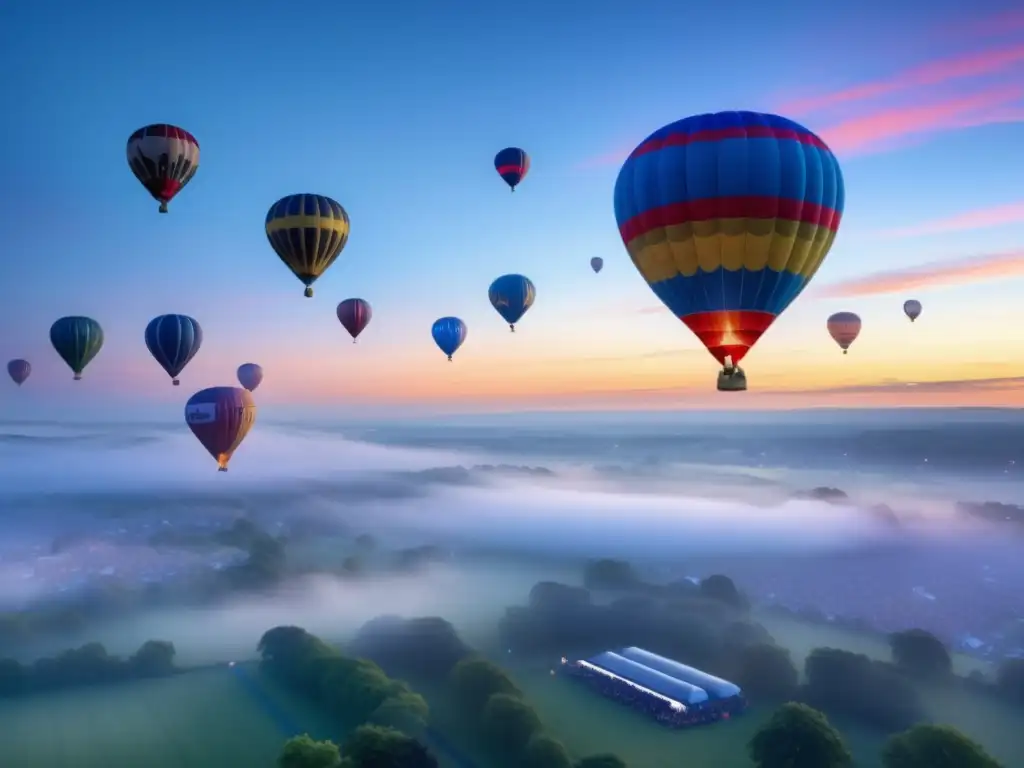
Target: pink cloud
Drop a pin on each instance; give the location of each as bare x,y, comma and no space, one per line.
1011,213
874,130
933,73
976,269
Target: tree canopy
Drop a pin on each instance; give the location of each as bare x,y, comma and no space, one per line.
304,752
921,654
798,736
935,746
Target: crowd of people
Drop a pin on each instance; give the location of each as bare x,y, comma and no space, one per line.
658,709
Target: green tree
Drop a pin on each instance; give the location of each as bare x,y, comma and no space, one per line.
303,752
721,588
155,658
767,671
935,746
602,761
407,711
373,746
921,654
1010,679
475,680
508,722
798,736
542,751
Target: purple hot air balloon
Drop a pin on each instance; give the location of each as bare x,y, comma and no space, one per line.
19,370
355,315
250,375
221,417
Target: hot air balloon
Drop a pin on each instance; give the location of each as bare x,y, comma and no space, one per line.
512,295
308,232
164,158
250,375
727,217
19,370
173,340
355,315
844,327
77,340
597,264
449,333
512,164
912,309
221,417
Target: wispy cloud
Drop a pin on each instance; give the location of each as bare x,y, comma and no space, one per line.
965,90
951,386
933,73
972,270
876,130
1011,213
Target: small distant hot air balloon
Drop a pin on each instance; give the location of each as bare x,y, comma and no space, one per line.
512,295
221,417
173,340
164,158
512,164
355,315
597,264
449,333
77,340
19,370
727,217
912,309
250,375
308,233
844,327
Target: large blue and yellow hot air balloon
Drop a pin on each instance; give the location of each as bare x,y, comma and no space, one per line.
728,216
308,233
511,296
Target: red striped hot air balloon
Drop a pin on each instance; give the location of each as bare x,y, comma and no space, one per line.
844,327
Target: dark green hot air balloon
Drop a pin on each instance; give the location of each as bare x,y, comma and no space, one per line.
77,340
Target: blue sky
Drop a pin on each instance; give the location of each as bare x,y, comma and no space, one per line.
396,110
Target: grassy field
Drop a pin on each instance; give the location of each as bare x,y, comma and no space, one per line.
210,718
202,719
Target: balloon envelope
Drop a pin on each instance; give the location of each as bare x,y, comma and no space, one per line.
512,164
512,295
449,333
727,217
308,233
250,375
597,264
844,327
221,417
173,341
164,158
912,309
19,370
77,340
354,315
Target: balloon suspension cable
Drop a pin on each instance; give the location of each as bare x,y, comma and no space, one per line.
163,207
308,293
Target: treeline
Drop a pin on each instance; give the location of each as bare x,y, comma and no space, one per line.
495,715
708,625
798,736
88,665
